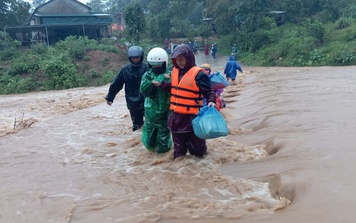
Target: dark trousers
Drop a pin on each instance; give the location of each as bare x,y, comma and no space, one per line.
213,54
188,140
136,112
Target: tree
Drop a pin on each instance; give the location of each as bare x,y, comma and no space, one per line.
204,30
14,12
97,5
223,13
156,7
3,7
181,9
36,3
159,26
134,20
158,19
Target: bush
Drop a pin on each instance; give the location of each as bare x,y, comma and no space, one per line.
51,67
106,78
342,23
76,46
61,72
16,84
25,64
39,48
8,47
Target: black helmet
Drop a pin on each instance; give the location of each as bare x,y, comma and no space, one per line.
135,51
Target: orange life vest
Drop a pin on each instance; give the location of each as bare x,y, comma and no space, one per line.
186,97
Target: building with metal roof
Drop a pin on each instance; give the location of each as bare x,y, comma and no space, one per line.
57,19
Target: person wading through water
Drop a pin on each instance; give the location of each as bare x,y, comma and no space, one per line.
189,84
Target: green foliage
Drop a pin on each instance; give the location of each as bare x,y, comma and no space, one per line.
204,30
105,61
342,23
76,46
342,54
328,15
8,53
316,29
349,10
135,22
52,67
8,47
158,25
86,58
182,28
107,48
16,84
14,12
156,7
37,3
97,5
107,77
223,14
94,73
60,72
107,41
39,48
315,33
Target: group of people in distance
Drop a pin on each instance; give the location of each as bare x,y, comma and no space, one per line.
165,101
214,49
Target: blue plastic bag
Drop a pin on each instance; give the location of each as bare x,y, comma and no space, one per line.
218,81
209,124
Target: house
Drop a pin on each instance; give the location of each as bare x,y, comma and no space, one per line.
278,17
57,19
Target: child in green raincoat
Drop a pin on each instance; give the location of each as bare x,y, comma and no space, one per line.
156,136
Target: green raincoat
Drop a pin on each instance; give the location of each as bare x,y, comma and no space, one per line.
155,135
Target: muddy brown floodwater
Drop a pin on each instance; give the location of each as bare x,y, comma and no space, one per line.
66,156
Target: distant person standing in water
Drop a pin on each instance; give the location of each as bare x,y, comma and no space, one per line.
166,43
130,76
206,49
214,48
231,68
234,51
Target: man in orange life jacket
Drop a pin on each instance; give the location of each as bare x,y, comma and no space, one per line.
189,84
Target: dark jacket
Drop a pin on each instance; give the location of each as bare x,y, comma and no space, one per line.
130,76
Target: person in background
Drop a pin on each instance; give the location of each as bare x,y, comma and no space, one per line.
214,48
130,76
206,49
195,46
234,51
166,43
156,136
190,45
189,84
167,46
231,68
220,103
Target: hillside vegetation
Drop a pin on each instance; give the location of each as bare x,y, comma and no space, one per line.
307,33
75,62
308,44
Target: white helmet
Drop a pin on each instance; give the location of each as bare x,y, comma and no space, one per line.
157,56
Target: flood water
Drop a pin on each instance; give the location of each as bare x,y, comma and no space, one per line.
289,157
